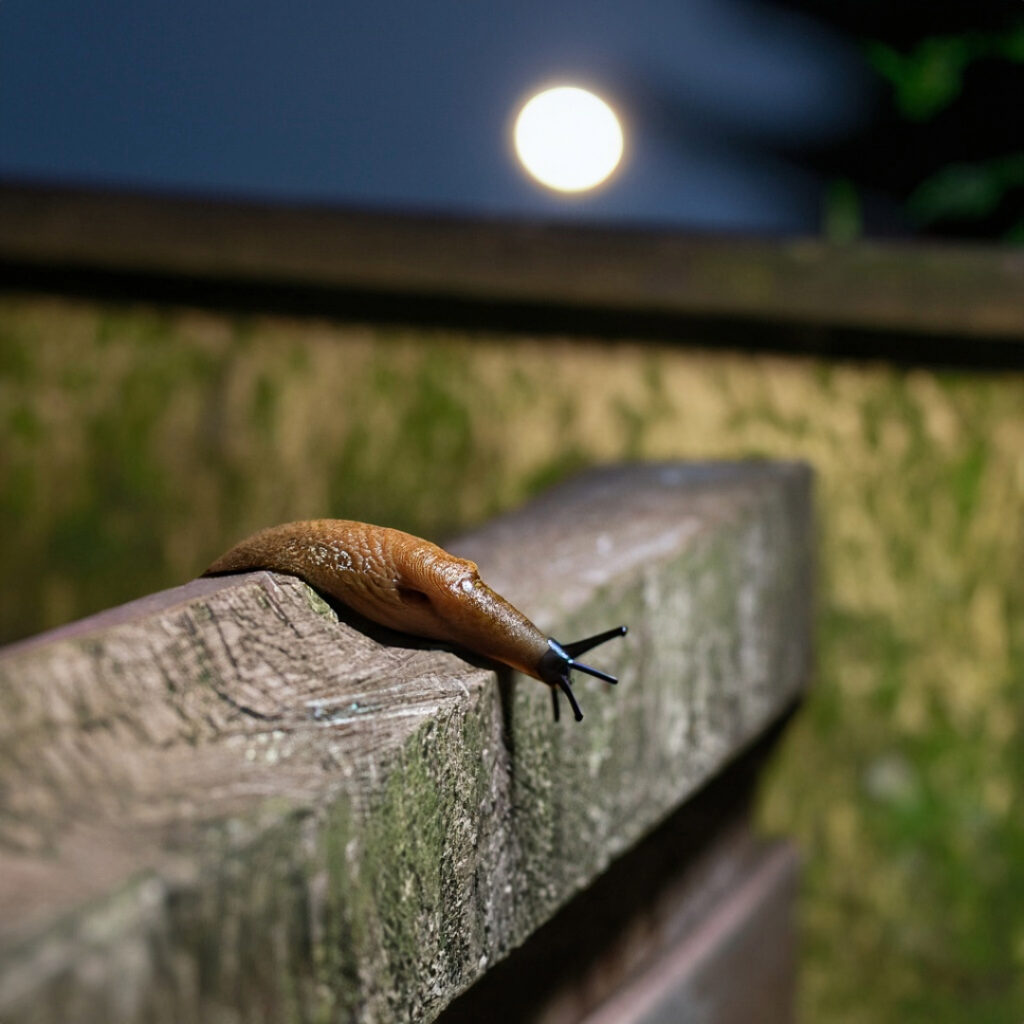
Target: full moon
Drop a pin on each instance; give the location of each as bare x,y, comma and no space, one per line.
568,138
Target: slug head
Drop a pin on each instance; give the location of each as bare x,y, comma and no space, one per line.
560,659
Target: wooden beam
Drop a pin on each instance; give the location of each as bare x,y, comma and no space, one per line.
224,802
927,289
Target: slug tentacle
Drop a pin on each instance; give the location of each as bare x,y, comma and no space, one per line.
556,665
412,585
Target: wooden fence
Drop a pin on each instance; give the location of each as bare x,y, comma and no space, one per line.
224,802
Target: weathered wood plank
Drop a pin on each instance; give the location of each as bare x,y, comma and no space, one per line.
226,804
620,940
941,290
735,964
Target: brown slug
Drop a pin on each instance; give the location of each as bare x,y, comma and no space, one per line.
412,585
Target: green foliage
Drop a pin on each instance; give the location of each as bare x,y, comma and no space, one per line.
926,80
929,77
966,191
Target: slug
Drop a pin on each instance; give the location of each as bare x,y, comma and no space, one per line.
412,585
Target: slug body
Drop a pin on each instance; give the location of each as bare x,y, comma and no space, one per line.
412,585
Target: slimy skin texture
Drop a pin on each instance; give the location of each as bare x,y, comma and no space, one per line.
411,585
397,580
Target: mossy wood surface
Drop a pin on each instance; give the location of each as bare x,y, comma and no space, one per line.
224,803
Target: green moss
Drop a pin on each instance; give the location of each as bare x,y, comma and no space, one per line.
16,363
264,406
966,476
394,895
319,605
24,425
561,467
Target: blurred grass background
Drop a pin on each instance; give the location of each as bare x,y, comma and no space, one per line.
139,442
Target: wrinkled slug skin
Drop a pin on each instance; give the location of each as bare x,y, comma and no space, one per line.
397,580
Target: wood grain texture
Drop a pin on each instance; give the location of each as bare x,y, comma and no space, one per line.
945,290
226,805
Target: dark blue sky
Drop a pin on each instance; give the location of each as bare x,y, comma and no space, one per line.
408,105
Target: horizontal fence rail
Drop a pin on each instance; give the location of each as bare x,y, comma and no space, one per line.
226,802
900,288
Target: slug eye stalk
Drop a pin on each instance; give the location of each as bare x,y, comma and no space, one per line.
559,661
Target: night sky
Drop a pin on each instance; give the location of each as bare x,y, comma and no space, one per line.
409,105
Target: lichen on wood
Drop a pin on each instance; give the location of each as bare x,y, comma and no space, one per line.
230,804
